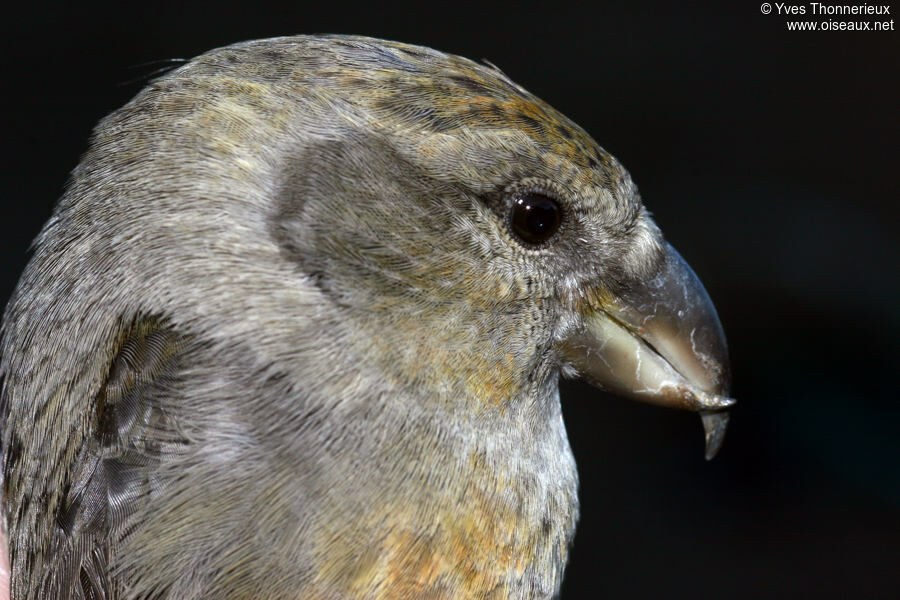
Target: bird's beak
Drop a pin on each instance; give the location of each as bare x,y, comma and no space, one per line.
660,342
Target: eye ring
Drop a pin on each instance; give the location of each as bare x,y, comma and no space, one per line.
534,217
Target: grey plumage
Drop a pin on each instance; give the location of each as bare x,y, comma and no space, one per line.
278,340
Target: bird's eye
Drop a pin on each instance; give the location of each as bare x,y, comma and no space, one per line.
535,217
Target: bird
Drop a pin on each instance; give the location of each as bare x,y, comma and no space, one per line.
296,328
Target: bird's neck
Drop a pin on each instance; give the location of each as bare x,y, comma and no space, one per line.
478,508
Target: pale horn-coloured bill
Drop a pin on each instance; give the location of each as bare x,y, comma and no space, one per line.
660,342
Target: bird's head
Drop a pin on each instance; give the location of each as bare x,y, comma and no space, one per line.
484,243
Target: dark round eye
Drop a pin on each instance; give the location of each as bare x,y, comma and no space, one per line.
535,217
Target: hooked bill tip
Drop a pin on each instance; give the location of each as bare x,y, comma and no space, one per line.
714,425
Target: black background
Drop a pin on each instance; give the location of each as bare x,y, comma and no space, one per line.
768,157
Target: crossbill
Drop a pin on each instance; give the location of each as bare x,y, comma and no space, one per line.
296,327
